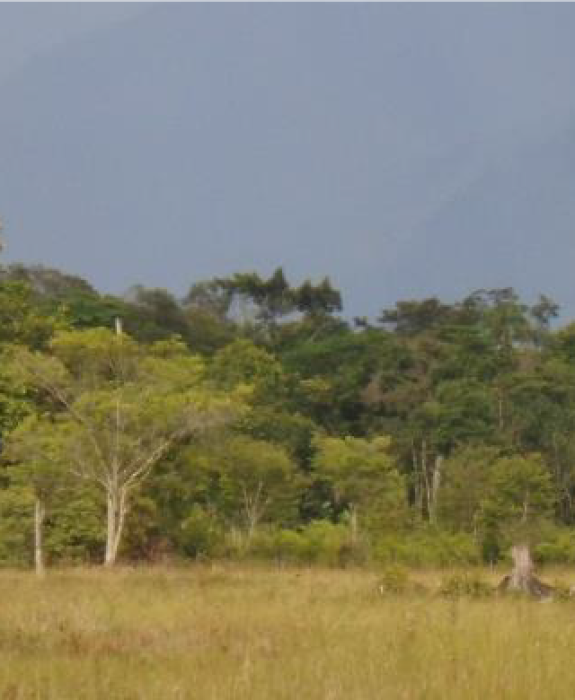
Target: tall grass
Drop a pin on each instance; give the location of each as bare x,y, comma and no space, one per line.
255,633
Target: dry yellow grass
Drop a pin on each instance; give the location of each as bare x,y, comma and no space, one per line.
255,633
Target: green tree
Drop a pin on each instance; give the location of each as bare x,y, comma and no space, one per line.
125,407
36,449
519,500
22,320
466,481
258,481
207,307
363,476
243,362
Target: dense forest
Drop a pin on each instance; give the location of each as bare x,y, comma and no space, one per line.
251,419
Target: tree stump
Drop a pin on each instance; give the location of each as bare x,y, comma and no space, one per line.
522,579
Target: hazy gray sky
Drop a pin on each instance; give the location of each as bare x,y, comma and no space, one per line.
402,149
27,30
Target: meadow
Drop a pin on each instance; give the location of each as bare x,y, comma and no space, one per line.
218,632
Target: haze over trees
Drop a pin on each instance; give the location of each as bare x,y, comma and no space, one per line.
250,419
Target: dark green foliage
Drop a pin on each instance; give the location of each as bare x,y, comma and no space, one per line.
16,508
74,529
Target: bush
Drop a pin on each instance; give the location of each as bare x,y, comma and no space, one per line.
283,546
490,546
428,547
319,542
75,527
16,527
201,535
469,585
561,590
325,543
393,579
558,547
329,544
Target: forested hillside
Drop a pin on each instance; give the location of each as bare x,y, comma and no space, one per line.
250,419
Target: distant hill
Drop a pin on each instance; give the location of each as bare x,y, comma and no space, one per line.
401,149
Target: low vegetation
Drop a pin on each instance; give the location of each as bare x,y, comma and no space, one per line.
258,633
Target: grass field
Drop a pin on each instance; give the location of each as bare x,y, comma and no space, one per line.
255,633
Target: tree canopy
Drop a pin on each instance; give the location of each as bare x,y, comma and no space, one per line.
251,413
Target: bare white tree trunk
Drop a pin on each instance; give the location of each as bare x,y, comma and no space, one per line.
116,494
39,515
435,484
116,517
500,410
353,524
418,480
254,506
425,477
110,530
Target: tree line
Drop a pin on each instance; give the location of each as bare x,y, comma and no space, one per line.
250,418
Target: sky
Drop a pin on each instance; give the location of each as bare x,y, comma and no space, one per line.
403,150
29,30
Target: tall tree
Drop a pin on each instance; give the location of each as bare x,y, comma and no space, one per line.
258,481
363,476
36,447
125,407
520,498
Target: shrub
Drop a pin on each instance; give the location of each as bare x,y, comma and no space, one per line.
558,547
74,531
201,535
319,542
16,528
393,579
328,544
283,546
469,585
427,547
